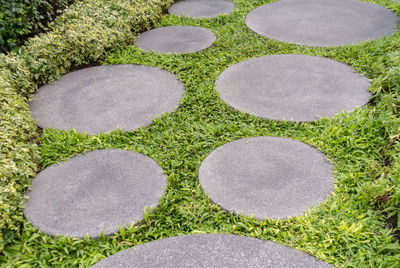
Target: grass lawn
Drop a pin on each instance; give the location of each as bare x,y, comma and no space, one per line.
348,229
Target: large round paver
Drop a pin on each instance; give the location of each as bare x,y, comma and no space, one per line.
322,22
211,250
102,98
267,177
101,190
202,8
176,39
292,87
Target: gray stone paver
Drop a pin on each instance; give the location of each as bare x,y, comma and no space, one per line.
268,177
292,87
211,250
202,8
322,22
97,191
100,99
176,39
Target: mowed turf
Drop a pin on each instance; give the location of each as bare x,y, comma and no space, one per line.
348,229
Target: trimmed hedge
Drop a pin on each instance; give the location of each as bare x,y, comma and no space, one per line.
20,19
82,35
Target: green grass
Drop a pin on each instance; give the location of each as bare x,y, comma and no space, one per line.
345,230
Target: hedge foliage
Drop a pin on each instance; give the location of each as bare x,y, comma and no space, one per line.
81,35
21,18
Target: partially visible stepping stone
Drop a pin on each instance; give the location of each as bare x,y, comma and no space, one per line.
176,39
322,22
102,98
202,8
97,191
267,177
292,87
211,250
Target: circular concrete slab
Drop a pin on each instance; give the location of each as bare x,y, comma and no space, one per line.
102,98
97,191
202,8
292,87
322,22
211,250
176,39
267,177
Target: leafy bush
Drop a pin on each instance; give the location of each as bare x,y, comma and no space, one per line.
83,34
21,18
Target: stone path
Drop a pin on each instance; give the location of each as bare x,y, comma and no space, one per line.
176,39
100,99
211,250
292,87
322,22
202,8
268,177
101,190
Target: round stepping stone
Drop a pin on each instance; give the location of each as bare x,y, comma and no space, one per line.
322,22
292,87
102,98
202,8
267,177
211,250
101,190
176,39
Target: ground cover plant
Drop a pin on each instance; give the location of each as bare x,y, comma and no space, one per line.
355,227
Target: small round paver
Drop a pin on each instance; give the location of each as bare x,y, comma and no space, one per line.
101,190
322,22
211,250
292,87
176,39
100,99
202,8
267,177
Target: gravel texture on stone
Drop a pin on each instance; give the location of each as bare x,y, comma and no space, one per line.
292,87
202,8
211,250
100,99
176,39
101,190
322,22
268,177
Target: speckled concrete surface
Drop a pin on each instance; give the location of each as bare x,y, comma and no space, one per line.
292,87
202,8
267,177
322,22
176,39
98,191
211,250
100,99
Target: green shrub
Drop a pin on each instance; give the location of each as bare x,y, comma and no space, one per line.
21,18
17,155
81,35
